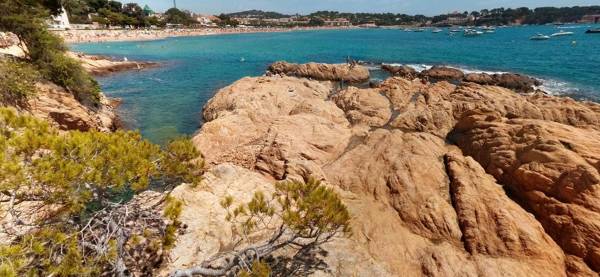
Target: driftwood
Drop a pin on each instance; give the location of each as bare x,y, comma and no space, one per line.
229,263
114,226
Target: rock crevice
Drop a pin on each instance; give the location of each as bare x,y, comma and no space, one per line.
395,152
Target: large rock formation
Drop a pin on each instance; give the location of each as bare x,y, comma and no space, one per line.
551,168
517,82
100,65
324,72
441,179
60,108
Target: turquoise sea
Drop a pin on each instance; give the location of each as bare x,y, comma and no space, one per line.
167,101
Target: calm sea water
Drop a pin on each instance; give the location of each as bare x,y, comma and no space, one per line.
167,101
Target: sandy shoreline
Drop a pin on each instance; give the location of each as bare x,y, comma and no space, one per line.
85,36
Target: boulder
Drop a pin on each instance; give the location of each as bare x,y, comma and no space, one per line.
516,82
439,73
480,78
401,71
322,72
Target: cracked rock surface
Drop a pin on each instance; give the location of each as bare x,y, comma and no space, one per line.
441,179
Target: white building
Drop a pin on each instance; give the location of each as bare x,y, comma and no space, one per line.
60,21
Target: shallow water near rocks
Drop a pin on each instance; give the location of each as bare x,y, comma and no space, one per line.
167,101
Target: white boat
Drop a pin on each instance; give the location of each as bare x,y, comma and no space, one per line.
454,31
472,33
489,31
562,33
420,30
540,37
437,31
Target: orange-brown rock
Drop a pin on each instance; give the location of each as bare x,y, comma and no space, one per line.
401,71
420,207
440,73
61,109
323,72
550,167
99,65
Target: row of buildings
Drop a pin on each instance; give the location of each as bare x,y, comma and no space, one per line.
287,21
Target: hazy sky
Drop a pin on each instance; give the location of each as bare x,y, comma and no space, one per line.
427,7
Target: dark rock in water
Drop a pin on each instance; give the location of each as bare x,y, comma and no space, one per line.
519,83
402,71
442,73
375,83
516,82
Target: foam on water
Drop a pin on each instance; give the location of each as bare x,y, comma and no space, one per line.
550,86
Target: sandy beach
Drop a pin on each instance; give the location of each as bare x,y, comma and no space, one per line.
83,36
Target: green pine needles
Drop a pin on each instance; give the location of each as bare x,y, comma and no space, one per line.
62,197
17,82
298,215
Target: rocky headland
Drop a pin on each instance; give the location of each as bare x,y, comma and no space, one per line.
445,173
61,108
101,65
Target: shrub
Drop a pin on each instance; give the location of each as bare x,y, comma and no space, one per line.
299,215
17,82
26,19
78,183
68,73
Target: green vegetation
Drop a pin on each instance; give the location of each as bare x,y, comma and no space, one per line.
17,82
299,215
500,16
226,20
258,14
75,185
25,18
542,15
114,13
176,16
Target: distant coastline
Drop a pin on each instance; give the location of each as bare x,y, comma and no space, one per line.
114,35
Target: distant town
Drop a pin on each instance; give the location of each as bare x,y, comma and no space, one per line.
106,14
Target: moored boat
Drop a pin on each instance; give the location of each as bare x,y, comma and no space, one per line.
593,31
540,37
435,31
472,33
562,33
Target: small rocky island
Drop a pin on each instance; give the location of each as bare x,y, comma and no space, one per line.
445,174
